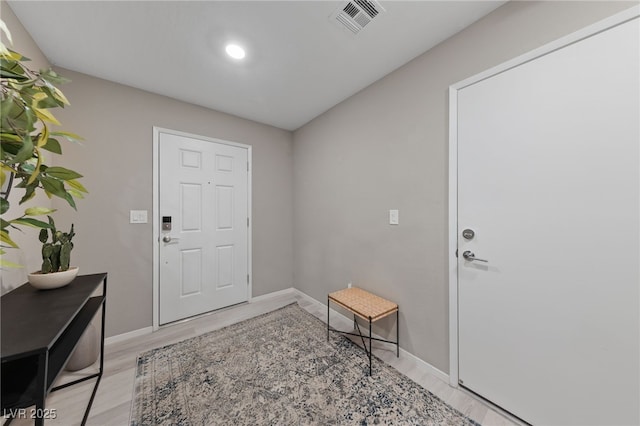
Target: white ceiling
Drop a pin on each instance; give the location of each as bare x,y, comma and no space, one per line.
298,65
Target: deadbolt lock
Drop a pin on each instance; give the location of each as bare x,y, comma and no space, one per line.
468,234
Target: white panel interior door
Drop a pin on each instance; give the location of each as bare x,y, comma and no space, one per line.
548,178
203,189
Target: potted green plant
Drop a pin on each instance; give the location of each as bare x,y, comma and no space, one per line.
56,257
26,137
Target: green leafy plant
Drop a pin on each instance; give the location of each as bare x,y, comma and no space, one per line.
27,98
56,254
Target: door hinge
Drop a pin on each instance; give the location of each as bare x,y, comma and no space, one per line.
247,222
247,166
247,279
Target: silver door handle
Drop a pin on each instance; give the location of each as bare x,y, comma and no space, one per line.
469,255
167,239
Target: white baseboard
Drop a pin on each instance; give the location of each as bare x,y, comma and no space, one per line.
421,364
268,296
425,366
129,335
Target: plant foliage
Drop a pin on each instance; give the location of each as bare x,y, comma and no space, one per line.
27,98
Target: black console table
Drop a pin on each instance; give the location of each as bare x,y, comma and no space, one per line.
40,330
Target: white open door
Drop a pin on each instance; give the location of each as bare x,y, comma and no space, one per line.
203,239
548,181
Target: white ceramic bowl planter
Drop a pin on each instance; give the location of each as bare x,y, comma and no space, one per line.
53,279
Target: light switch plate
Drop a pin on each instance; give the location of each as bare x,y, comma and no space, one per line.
394,217
138,216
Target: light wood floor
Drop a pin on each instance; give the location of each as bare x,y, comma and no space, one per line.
113,400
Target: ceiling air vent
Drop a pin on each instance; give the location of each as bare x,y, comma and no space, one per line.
356,14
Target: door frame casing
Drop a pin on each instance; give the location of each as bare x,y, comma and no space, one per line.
156,212
591,30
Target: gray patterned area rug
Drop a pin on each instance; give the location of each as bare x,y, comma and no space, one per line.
278,369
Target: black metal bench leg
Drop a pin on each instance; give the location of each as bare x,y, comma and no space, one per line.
370,341
398,333
327,319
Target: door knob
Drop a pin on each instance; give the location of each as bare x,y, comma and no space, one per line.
168,239
469,255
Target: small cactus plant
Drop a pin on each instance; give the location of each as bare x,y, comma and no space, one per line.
57,253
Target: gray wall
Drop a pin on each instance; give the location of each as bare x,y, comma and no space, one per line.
387,148
116,160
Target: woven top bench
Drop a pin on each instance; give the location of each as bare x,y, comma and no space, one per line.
366,305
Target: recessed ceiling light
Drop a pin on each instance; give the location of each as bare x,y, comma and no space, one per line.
235,51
